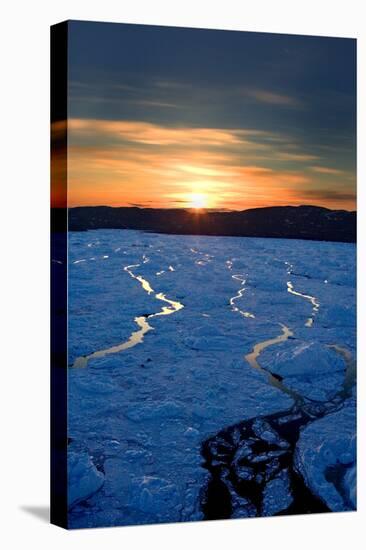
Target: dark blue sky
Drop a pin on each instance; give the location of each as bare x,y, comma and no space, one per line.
294,90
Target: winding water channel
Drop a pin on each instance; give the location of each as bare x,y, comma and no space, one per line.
137,336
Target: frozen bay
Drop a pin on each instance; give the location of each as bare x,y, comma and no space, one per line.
178,341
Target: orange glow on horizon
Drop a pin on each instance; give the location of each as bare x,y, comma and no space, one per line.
133,163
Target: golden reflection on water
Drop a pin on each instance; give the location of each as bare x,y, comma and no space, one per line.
257,350
137,336
312,300
145,284
240,293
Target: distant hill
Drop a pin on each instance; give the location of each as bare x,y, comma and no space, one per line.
292,222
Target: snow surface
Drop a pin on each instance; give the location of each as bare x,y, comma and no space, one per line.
138,417
310,368
326,457
83,477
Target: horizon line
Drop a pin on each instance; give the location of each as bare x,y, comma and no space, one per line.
203,210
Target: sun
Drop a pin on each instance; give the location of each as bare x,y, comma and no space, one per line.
197,200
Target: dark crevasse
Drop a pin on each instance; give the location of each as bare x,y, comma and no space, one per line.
252,471
252,463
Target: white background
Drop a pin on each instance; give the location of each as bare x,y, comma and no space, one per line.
24,298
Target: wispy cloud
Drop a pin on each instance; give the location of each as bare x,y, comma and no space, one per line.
326,170
329,195
155,103
153,134
273,98
301,157
139,204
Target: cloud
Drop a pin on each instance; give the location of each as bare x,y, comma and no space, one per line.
329,194
153,103
301,157
273,98
326,170
153,134
241,141
139,204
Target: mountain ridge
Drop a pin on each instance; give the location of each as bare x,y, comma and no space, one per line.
308,222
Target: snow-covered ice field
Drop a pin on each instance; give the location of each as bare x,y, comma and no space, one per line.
209,377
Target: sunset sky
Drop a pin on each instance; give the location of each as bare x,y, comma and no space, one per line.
169,117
